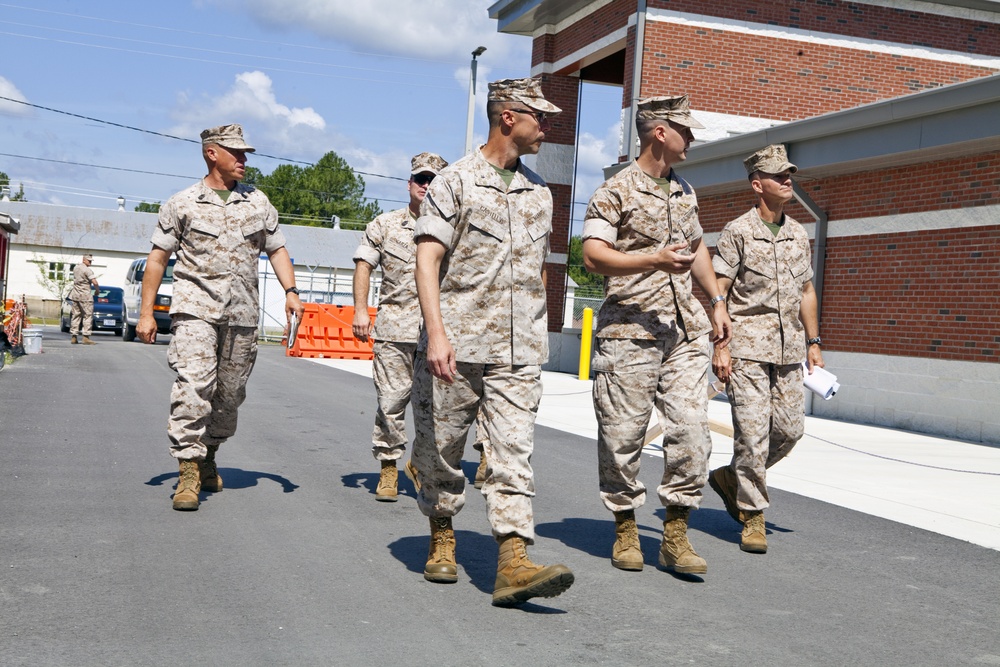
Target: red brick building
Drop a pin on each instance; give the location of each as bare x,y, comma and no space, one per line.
891,109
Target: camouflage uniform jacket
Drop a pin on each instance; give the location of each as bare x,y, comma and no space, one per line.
768,273
496,240
82,275
218,246
633,214
388,241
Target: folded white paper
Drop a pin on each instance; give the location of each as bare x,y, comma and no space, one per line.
822,382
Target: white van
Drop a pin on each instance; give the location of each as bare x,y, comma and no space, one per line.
133,298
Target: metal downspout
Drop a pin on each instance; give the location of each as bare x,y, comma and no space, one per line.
819,256
640,42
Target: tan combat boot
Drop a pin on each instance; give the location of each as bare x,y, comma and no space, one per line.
72,340
87,341
723,481
481,471
518,579
188,486
209,472
676,553
441,567
386,490
754,538
411,472
626,554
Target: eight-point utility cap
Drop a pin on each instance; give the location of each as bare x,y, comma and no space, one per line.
227,136
526,91
427,162
675,109
771,160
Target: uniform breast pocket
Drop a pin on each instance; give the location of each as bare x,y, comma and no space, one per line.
205,227
799,268
759,271
252,226
399,250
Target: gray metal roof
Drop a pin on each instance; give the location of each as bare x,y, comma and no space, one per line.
73,227
951,121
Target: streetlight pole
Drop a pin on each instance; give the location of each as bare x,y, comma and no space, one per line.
472,98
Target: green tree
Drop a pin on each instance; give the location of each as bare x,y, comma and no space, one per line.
314,194
589,285
16,196
146,207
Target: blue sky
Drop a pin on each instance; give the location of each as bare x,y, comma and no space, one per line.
374,80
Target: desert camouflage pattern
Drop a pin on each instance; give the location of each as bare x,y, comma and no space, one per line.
497,239
218,245
631,379
771,159
768,274
634,215
392,372
81,316
525,91
768,406
431,162
442,415
213,363
676,109
82,275
388,242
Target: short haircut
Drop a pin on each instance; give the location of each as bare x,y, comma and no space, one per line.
644,128
493,111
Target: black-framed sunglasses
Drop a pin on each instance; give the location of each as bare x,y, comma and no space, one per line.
539,115
423,179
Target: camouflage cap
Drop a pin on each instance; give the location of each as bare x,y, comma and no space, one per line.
89,257
526,91
675,109
227,136
427,162
771,160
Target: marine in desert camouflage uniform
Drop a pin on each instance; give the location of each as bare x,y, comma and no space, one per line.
82,301
763,264
388,242
218,228
482,241
641,231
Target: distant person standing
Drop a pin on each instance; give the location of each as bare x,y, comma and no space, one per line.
482,241
763,265
82,301
218,228
641,230
388,242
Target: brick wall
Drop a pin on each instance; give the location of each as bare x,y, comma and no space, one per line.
732,73
854,20
607,19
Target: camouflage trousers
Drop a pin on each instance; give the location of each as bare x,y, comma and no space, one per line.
768,405
81,317
632,377
213,363
507,397
392,372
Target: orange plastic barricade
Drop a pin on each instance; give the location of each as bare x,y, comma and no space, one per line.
325,332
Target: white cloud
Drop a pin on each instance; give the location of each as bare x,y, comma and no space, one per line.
421,29
8,89
269,125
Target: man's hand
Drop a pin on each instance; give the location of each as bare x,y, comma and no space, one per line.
145,329
722,363
672,259
441,358
293,305
814,357
722,326
362,325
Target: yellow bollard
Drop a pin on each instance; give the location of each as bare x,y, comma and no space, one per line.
586,340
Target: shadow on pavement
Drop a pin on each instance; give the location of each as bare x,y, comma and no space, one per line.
234,478
369,480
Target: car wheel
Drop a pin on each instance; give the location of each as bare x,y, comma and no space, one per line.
118,332
128,334
63,325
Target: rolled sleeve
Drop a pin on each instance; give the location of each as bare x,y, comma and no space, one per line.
367,254
602,217
726,261
435,227
166,236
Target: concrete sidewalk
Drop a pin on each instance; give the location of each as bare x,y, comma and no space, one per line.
946,486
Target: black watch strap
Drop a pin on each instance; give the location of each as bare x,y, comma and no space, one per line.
815,341
292,290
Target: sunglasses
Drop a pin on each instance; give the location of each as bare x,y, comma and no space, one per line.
539,115
423,179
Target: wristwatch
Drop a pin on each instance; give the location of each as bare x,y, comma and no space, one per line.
716,299
815,341
292,290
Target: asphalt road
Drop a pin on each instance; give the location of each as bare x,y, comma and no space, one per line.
294,563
